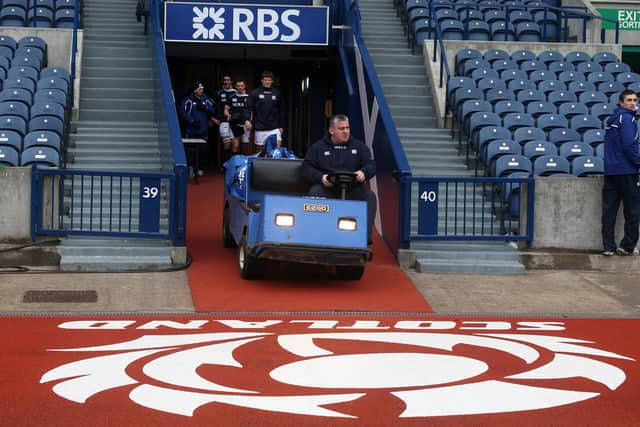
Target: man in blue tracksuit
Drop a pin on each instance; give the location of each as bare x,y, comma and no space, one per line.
268,111
621,180
337,151
195,111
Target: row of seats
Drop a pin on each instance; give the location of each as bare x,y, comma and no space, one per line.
38,154
548,165
38,17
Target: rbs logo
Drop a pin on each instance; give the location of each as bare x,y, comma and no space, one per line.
246,24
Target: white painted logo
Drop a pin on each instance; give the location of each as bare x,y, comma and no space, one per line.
433,374
202,27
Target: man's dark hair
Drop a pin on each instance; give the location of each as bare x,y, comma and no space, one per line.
337,118
266,73
626,93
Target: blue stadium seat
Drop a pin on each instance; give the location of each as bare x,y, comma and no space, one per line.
44,138
572,149
23,4
589,67
529,96
548,25
547,86
51,95
510,193
504,64
558,97
571,76
11,138
495,95
614,98
40,17
423,29
496,149
53,83
538,108
454,83
551,165
591,97
593,137
602,110
616,68
492,55
634,87
513,73
563,134
9,42
584,122
587,166
6,52
549,56
524,135
547,122
604,58
528,32
600,150
9,156
481,119
20,95
33,41
609,88
12,16
536,148
412,5
521,56
478,30
502,31
27,61
445,14
513,121
19,83
47,123
24,73
469,107
570,109
416,14
471,15
452,29
56,72
627,78
600,77
48,109
463,94
11,108
494,16
517,85
65,4
579,87
538,76
45,156
5,64
47,4
471,64
483,73
64,18
509,164
464,55
13,123
559,66
577,57
490,83
491,133
502,108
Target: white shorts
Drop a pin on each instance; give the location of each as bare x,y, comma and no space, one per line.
225,130
261,135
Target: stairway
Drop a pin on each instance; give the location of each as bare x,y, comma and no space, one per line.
116,131
429,149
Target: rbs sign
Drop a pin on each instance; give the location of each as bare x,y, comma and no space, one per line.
223,23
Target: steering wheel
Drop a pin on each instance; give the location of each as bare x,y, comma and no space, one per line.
343,180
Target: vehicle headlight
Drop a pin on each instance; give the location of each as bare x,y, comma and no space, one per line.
284,220
347,224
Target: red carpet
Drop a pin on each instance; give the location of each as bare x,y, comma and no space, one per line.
320,370
216,285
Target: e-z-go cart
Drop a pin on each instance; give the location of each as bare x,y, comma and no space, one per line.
269,218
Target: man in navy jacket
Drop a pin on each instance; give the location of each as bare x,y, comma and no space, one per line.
337,151
621,180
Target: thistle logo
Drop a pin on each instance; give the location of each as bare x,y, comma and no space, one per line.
202,23
433,374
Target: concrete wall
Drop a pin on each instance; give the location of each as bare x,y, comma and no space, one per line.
15,204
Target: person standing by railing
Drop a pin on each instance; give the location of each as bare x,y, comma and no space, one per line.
196,109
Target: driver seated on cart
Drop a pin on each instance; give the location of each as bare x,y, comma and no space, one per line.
339,152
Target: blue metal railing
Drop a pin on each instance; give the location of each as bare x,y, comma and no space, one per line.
449,208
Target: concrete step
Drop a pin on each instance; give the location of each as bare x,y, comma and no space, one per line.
114,115
461,266
115,62
120,72
114,263
109,83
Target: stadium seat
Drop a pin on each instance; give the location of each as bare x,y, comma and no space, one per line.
518,16
538,76
549,56
12,139
529,96
604,58
32,52
563,134
19,83
40,17
495,95
587,166
46,123
56,72
547,86
478,30
20,95
23,73
51,95
600,77
480,119
472,64
536,148
508,164
517,85
571,76
558,67
503,64
423,29
550,165
47,4
494,16
616,68
5,64
558,97
65,4
64,18
513,121
452,84
13,123
528,32
548,23
584,122
602,110
593,137
491,133
492,55
43,138
48,109
547,122
23,4
9,156
627,78
12,16
27,61
526,134
591,97
33,41
469,107
570,109
46,156
496,149
53,83
609,88
11,108
488,83
470,15
445,14
513,73
502,108
579,87
600,150
9,42
577,57
6,52
452,29
463,94
634,87
572,149
589,67
536,109
484,73
464,55
502,31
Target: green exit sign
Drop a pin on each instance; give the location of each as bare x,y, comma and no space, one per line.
629,19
